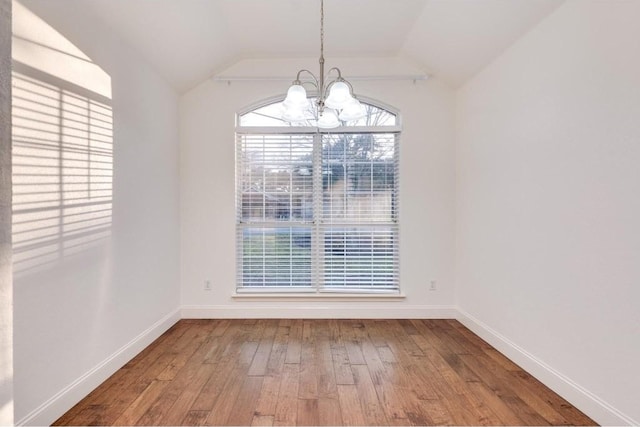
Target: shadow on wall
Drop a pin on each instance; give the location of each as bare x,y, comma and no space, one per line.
62,138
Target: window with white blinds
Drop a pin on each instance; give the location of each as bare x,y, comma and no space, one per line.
359,211
317,212
275,197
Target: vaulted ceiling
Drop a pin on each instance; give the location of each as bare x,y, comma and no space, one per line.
189,40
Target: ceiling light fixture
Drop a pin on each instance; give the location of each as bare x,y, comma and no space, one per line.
335,101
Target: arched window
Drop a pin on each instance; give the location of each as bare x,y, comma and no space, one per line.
269,115
317,210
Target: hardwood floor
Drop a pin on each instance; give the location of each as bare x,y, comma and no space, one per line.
321,372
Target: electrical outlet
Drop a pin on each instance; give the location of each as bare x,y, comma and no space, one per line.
432,286
207,285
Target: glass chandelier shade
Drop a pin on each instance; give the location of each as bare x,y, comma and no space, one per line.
296,97
354,110
335,101
328,119
294,115
339,95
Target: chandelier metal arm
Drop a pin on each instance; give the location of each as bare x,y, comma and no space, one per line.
339,78
336,69
315,82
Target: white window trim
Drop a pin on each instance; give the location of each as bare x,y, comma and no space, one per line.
315,292
277,294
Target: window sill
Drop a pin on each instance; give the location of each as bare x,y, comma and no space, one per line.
320,296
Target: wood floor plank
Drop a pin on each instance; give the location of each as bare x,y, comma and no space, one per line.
351,343
295,342
221,327
501,359
243,409
466,332
450,406
261,358
369,402
262,420
390,402
268,399
444,332
371,355
334,333
214,387
408,373
439,413
308,379
166,340
185,347
377,335
408,327
341,365
498,406
321,372
173,410
383,385
287,405
404,339
139,406
220,346
308,413
485,416
178,362
350,409
326,374
89,415
227,370
329,411
444,361
412,407
278,354
224,404
158,411
386,355
195,418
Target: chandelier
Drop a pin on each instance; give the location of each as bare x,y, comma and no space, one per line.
334,103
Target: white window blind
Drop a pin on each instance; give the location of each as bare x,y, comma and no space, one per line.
275,197
317,212
359,221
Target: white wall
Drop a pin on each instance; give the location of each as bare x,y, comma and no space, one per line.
78,320
548,204
6,283
208,203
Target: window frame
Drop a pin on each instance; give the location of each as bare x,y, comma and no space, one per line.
316,290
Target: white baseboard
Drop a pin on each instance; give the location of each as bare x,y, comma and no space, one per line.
66,398
599,410
314,311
